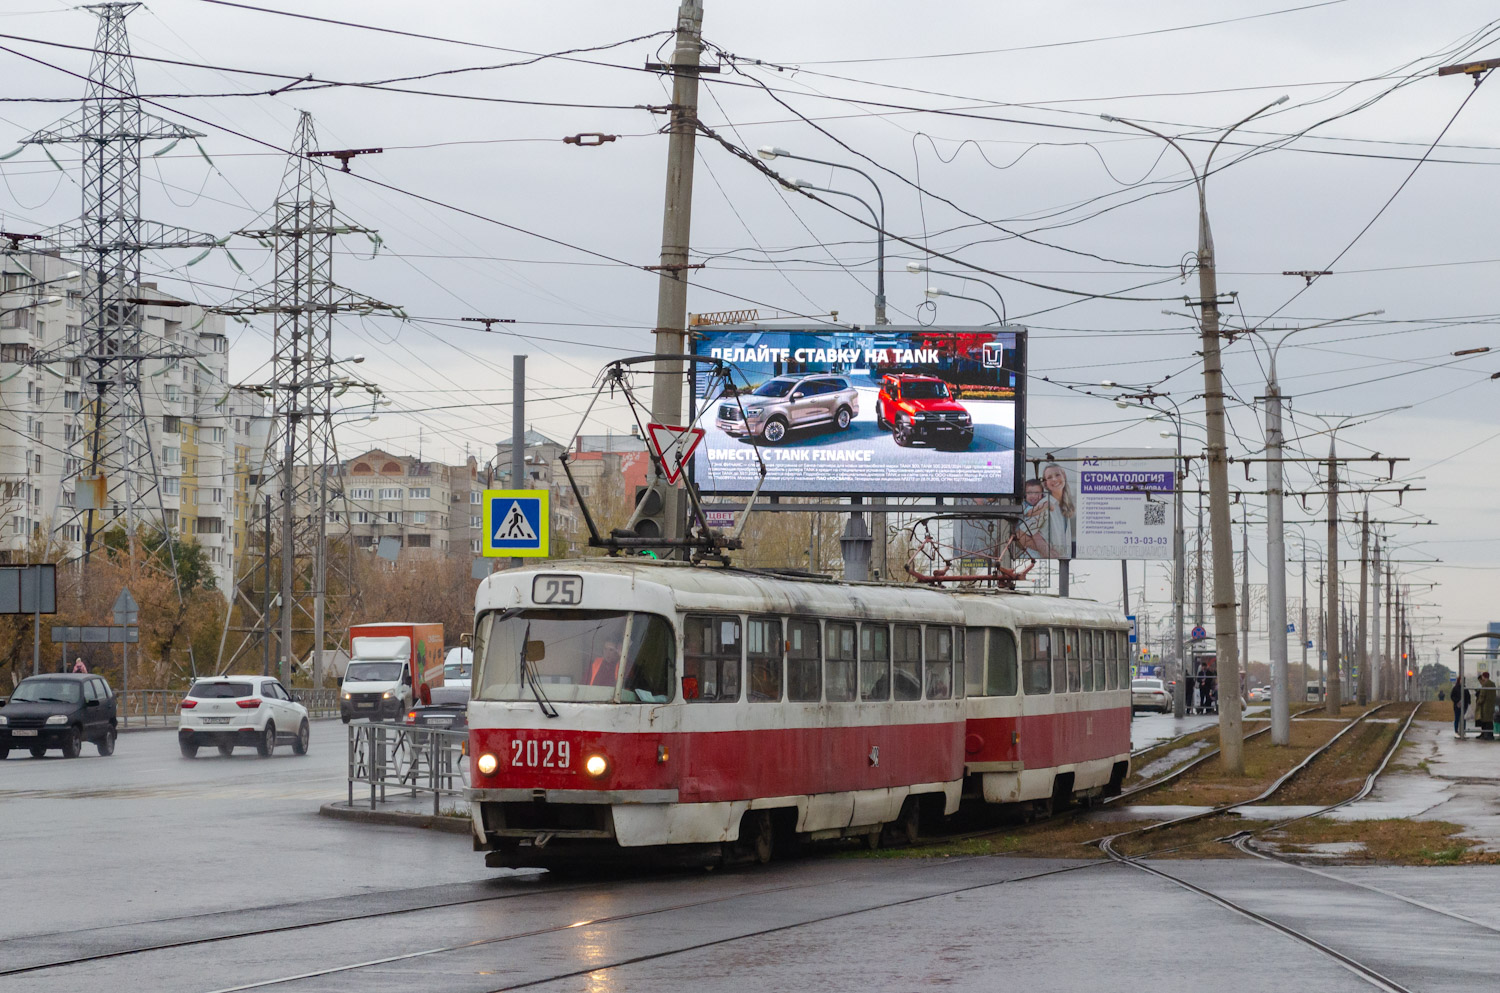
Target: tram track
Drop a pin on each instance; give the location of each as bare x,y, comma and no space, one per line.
18,946
1243,841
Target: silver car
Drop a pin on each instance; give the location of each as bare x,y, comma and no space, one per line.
789,402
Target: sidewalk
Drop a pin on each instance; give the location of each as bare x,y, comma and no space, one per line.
1439,778
404,811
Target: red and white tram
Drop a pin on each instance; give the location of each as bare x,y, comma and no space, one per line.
1048,698
627,706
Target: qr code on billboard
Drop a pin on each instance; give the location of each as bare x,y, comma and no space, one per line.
1156,514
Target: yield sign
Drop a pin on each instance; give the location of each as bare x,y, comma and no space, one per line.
673,445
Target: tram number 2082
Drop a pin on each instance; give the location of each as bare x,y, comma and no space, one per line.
540,754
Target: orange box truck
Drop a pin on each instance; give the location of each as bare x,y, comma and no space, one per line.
388,663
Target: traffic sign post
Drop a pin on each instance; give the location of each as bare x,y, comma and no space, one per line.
127,613
517,523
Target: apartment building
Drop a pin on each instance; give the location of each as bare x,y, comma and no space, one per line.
433,509
196,424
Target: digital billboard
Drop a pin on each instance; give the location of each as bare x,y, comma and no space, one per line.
1098,503
883,410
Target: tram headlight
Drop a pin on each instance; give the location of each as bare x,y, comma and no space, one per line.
596,765
487,764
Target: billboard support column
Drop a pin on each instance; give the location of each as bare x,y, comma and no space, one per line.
878,547
1062,577
856,543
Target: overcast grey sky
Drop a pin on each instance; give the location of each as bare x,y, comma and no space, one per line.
552,235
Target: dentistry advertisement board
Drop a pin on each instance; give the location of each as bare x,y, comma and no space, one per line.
878,411
1098,503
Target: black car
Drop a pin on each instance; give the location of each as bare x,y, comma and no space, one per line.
444,707
59,710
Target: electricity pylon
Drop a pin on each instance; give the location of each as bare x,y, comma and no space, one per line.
114,446
301,471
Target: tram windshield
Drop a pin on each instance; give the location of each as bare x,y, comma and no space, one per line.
574,656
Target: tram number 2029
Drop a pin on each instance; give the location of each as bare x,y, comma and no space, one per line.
557,590
540,754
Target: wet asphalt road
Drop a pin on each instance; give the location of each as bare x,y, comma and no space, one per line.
145,848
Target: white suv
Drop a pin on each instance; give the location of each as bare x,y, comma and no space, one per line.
240,710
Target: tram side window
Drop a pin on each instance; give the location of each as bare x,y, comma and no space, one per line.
1000,670
974,653
1102,669
1086,659
939,665
1070,649
874,662
841,668
1123,647
804,662
906,654
1112,659
1104,663
763,647
1036,660
958,664
710,658
1059,661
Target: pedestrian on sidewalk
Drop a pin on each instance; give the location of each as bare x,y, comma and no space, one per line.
1460,698
1484,708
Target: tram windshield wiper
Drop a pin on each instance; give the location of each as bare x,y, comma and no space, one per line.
529,677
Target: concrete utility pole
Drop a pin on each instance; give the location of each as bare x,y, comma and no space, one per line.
1322,636
1361,651
1397,669
1231,720
1334,702
676,228
1244,596
1379,681
1302,632
1231,723
1198,578
1281,713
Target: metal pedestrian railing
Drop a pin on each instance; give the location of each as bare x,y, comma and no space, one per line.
148,708
408,761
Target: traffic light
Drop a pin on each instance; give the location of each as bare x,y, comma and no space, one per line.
650,517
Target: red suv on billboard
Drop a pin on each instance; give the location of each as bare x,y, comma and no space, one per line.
922,408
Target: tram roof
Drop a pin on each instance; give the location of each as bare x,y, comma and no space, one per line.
704,587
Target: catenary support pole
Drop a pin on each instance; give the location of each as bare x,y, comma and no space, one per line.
1281,714
1179,636
1303,635
265,600
1361,651
1380,681
1335,701
1397,669
677,213
1244,602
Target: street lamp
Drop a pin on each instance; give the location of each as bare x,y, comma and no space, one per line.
879,219
1231,724
918,268
1281,714
1146,400
933,292
772,152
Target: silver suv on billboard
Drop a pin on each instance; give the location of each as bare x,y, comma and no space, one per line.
787,403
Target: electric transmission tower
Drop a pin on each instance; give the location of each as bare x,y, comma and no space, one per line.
114,448
300,472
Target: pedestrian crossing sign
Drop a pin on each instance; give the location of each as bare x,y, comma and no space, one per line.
516,523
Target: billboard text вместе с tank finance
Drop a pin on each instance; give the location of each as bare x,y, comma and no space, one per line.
879,411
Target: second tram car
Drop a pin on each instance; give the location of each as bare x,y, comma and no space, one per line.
627,708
